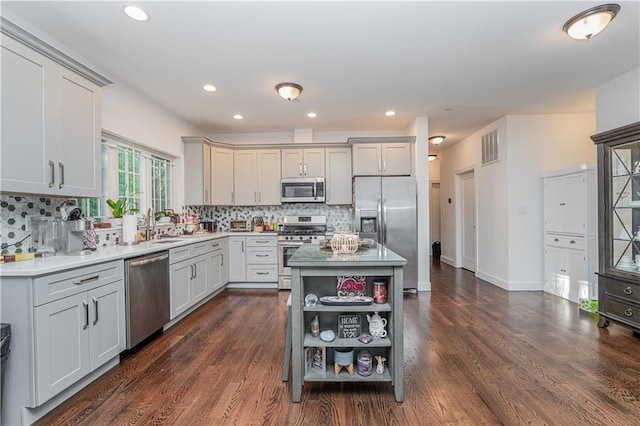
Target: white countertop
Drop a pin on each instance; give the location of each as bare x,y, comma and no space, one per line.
47,265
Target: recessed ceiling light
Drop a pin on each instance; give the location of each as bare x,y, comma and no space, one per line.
390,113
209,87
136,13
312,115
238,117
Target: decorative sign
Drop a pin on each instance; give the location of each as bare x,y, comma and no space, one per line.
350,286
349,326
316,359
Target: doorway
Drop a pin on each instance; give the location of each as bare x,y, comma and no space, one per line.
434,212
467,215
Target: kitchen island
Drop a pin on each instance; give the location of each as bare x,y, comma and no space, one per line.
317,270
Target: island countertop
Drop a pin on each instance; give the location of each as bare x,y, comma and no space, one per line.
315,255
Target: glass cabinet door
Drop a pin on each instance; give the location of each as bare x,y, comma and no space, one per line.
625,202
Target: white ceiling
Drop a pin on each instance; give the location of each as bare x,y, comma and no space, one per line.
462,64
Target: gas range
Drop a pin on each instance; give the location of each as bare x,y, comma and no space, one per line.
303,228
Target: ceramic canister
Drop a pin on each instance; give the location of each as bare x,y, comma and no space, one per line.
343,356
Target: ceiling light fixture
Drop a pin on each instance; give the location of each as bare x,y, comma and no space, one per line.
238,117
136,13
591,22
312,115
390,113
436,140
209,87
432,157
289,91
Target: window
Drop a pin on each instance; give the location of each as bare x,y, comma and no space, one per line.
129,170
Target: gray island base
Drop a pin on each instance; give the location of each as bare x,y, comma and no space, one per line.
315,270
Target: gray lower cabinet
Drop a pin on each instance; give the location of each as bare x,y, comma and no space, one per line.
218,264
79,324
76,335
189,278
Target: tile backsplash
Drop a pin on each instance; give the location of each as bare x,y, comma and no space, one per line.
14,211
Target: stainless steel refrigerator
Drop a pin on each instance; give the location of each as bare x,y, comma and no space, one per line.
385,210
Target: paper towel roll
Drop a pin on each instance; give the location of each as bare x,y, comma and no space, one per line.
129,228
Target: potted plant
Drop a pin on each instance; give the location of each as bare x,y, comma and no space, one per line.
119,208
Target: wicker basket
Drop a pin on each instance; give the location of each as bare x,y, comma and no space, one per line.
344,243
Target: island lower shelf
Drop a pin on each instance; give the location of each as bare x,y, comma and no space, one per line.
310,341
343,376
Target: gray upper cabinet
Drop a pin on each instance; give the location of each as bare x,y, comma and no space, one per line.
50,126
197,172
308,162
382,159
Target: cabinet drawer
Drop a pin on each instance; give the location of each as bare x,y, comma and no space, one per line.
564,241
262,273
215,245
262,242
624,290
262,256
187,252
57,286
624,311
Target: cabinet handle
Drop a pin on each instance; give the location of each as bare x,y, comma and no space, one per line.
572,242
563,204
206,195
255,196
191,274
86,280
262,255
86,314
53,174
628,291
259,196
384,165
233,200
215,245
628,312
61,164
300,169
305,169
555,240
243,246
195,270
379,165
95,305
262,241
262,273
222,259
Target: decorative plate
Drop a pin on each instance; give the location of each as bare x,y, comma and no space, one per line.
346,301
349,286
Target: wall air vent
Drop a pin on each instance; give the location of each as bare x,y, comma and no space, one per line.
490,148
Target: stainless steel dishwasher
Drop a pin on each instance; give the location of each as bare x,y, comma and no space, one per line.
146,295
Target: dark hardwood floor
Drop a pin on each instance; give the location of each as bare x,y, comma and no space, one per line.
474,354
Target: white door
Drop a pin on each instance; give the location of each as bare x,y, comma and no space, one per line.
181,274
221,176
268,183
313,163
338,177
434,212
237,259
200,280
469,222
245,176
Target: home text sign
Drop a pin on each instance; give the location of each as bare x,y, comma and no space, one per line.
349,326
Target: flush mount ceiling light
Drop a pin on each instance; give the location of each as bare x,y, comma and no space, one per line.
289,91
436,140
591,22
432,157
136,13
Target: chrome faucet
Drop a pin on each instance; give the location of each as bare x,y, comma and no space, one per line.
150,232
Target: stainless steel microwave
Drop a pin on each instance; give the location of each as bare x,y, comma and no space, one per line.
303,190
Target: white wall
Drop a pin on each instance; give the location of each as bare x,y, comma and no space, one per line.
538,144
420,129
509,192
618,101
